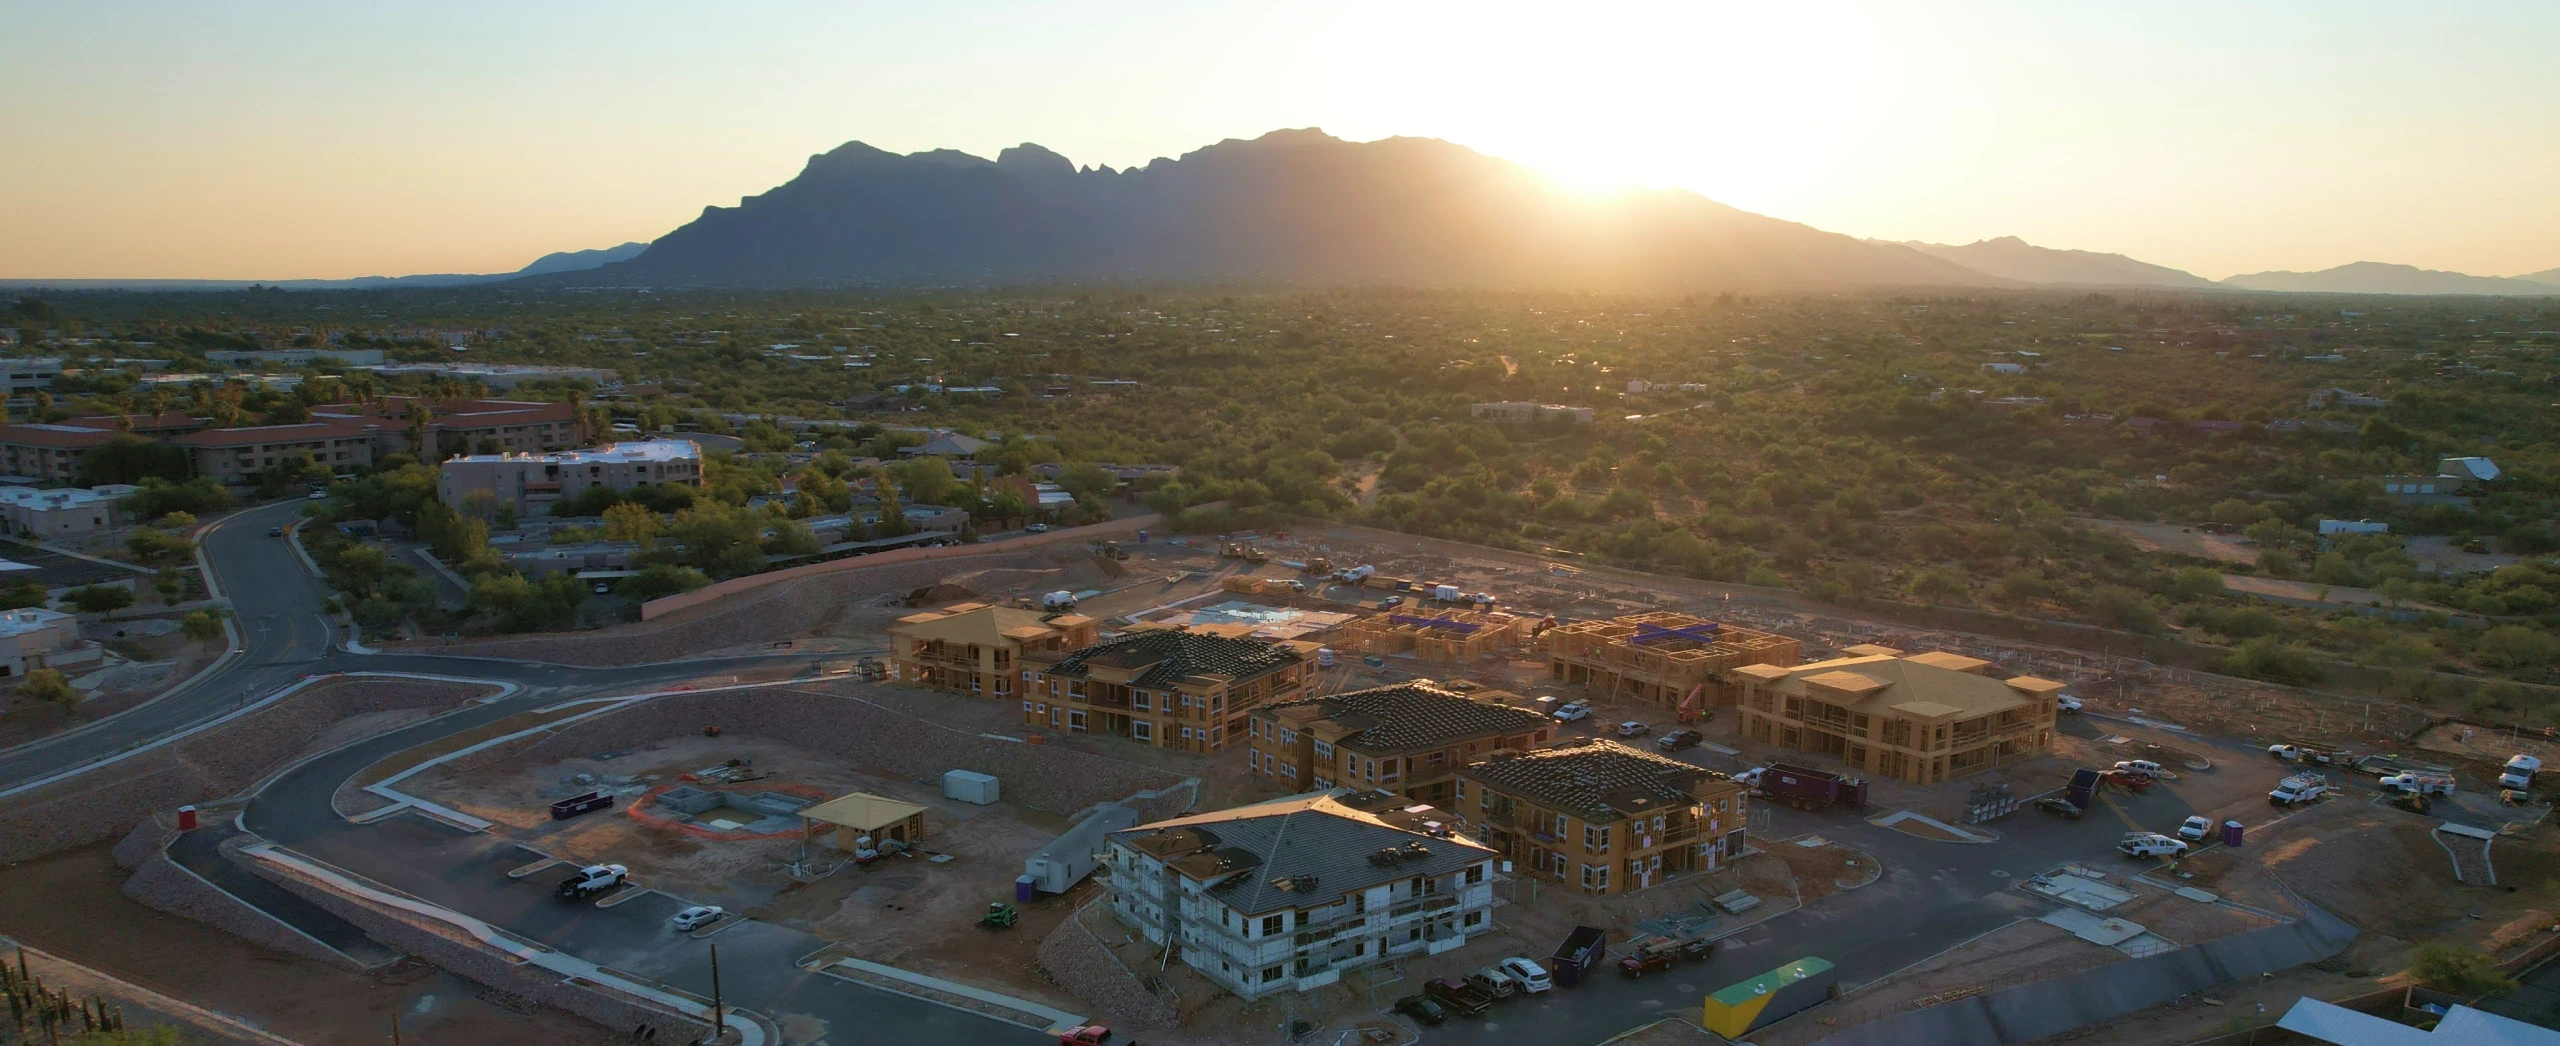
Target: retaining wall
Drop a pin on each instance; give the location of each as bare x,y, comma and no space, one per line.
2051,1007
448,949
210,765
1090,972
161,884
875,739
146,841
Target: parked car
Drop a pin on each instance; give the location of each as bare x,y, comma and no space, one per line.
1631,728
1085,1035
2059,807
2066,703
603,588
2138,767
275,532
1422,1009
1391,602
2194,829
1532,977
1573,710
1495,982
1679,739
317,495
697,917
1036,528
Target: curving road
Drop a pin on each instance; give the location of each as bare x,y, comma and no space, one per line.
283,637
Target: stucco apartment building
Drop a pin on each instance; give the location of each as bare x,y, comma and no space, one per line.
234,455
1603,817
1166,687
1408,738
464,426
531,482
1668,660
1286,895
980,648
1924,718
52,451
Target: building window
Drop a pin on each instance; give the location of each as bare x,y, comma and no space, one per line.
1075,719
1324,749
1475,874
1270,974
1461,789
1253,758
1595,879
1026,707
1475,918
1140,729
1595,838
1273,924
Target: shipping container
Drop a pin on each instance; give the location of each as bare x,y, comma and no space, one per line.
969,786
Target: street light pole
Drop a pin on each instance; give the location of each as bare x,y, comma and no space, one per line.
716,1022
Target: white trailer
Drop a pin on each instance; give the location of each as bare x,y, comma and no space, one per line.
1059,866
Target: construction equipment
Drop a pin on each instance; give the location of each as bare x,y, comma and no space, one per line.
999,916
1318,565
1110,550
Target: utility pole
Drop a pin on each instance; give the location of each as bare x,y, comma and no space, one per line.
717,1024
395,1029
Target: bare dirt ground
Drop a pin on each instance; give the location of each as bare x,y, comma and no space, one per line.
69,904
908,911
2170,537
22,720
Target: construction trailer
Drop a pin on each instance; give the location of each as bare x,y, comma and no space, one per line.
970,786
1059,866
1673,661
1757,1002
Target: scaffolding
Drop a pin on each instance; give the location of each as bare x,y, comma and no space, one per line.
1446,635
1662,658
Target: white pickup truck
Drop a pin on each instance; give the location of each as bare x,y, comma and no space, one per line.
592,880
2419,782
2519,772
2150,844
2298,789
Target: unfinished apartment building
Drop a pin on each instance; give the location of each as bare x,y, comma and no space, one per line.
1924,719
1445,635
1403,737
979,648
1165,687
1669,660
1604,817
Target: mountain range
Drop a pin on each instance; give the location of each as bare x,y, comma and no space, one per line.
555,262
1303,207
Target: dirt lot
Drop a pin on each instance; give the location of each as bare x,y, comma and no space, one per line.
908,911
69,904
2188,541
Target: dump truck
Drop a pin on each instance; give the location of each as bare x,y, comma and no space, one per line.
1808,789
1582,950
592,880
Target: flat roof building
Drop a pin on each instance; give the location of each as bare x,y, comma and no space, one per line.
533,481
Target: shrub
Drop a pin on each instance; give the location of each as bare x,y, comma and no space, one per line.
45,684
2267,658
2460,971
99,599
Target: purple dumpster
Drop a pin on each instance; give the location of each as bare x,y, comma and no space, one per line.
2231,834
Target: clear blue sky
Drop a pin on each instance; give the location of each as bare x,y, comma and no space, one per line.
272,140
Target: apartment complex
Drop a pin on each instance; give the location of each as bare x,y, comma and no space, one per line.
1603,817
233,455
1409,738
531,482
979,648
1521,412
48,452
1924,718
1459,636
1171,688
1286,895
462,426
1669,660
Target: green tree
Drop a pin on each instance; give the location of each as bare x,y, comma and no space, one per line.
633,523
2516,646
2195,584
201,626
1939,585
47,685
127,458
2466,972
924,479
99,599
660,580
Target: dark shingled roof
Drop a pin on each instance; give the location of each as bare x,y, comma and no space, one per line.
1595,779
1176,655
1317,845
1402,717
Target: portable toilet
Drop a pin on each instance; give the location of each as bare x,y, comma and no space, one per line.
1324,657
969,786
2231,834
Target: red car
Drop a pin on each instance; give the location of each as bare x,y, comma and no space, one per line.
1086,1035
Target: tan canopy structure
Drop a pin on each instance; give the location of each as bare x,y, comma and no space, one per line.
858,814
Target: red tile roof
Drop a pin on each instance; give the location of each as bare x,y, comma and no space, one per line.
54,436
253,435
161,422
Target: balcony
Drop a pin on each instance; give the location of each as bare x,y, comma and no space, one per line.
1423,906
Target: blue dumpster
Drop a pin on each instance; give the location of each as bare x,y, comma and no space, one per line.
2231,834
1023,887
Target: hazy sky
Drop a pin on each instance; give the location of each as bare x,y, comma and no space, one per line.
330,139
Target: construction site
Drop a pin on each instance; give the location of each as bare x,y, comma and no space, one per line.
1668,660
